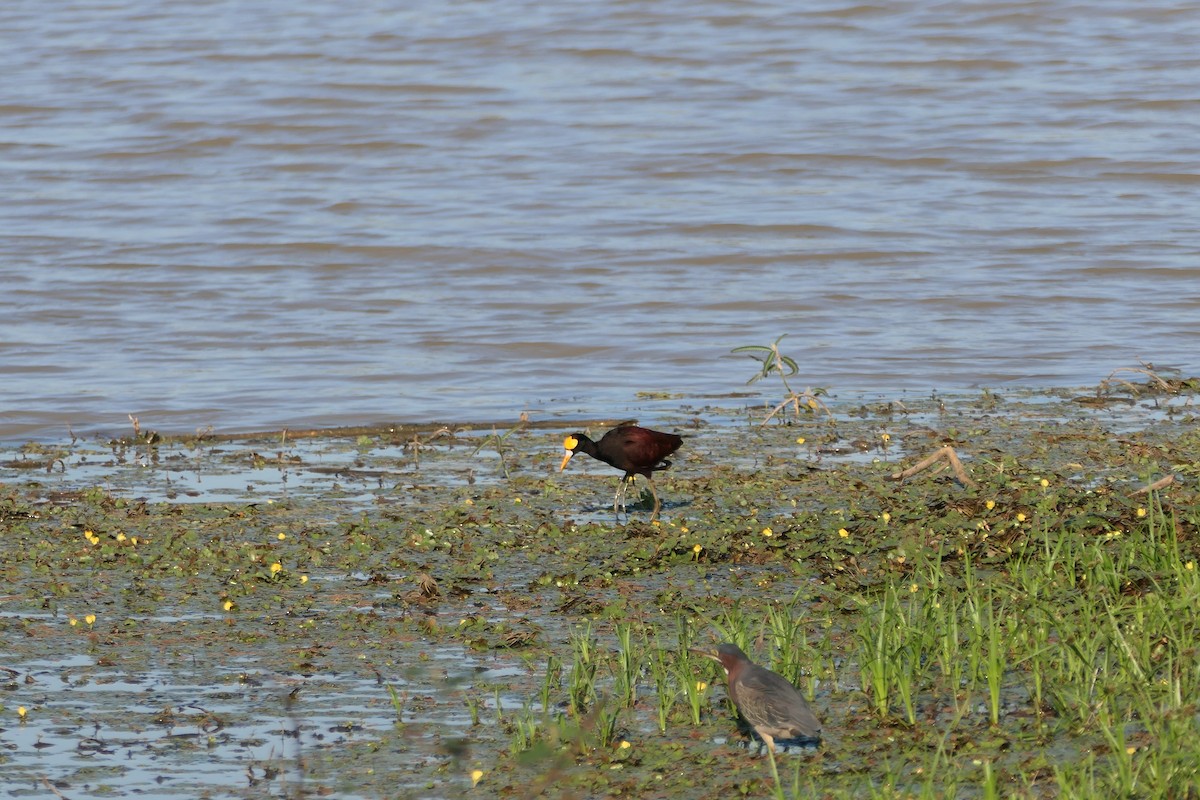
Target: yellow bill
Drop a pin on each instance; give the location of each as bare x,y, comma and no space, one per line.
569,443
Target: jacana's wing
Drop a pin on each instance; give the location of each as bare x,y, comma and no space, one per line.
645,449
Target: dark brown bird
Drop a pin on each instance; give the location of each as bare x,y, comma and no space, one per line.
766,700
637,451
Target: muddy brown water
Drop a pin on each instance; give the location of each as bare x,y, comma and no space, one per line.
266,216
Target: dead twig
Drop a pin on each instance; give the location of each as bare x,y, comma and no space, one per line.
945,454
46,782
1147,370
416,444
1161,483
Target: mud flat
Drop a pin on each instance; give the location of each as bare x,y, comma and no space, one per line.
438,612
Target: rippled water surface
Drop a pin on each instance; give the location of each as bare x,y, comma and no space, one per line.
280,214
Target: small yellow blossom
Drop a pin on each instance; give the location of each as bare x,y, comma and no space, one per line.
1141,512
517,500
1044,483
655,523
683,528
886,517
625,745
800,440
281,536
90,619
120,537
304,579
133,540
1021,517
842,532
1130,750
697,549
227,605
768,532
468,502
912,587
990,504
701,686
21,712
72,622
476,777
886,437
1189,566
276,567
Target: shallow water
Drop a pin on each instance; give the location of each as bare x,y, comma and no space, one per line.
262,216
168,692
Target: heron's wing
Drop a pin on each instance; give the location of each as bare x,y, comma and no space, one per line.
773,706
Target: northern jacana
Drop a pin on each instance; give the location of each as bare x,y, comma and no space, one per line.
636,450
766,700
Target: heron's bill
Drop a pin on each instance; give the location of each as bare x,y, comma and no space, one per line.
706,653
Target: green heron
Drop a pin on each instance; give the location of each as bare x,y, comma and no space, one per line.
766,700
637,451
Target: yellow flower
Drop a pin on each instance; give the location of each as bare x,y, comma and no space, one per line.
468,502
1189,566
768,532
625,745
683,528
304,579
517,500
276,567
120,537
476,777
990,504
90,619
21,712
281,536
701,686
697,549
912,587
1141,512
886,437
842,532
133,540
1044,483
886,517
227,605
1020,517
800,440
73,622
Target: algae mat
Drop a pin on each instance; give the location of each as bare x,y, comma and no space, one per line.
396,613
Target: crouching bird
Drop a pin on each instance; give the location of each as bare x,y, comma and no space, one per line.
637,451
766,700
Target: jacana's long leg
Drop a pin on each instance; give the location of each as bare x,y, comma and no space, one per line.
619,498
654,493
